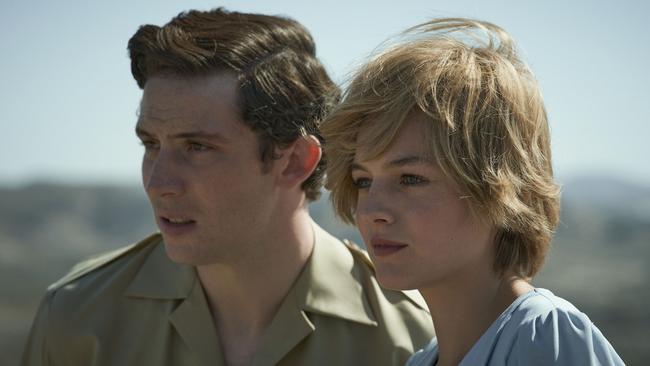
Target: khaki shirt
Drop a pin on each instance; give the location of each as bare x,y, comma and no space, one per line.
134,306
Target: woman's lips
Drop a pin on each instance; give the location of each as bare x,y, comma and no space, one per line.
382,247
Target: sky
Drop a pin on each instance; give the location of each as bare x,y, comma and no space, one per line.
68,102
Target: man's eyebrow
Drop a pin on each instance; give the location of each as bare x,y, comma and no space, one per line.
141,132
199,134
215,136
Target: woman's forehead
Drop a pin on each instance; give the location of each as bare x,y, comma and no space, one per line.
407,138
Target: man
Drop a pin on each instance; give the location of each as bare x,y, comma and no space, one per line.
239,274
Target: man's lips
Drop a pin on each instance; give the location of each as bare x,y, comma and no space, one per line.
176,220
382,247
175,225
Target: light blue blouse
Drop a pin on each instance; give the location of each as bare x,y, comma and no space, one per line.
538,328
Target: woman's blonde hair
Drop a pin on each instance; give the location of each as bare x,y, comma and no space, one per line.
486,124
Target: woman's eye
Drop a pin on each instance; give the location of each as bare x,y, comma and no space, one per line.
410,180
362,183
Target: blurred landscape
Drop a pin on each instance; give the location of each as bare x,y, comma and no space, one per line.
600,259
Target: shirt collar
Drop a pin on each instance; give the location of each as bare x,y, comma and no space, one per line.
160,277
329,284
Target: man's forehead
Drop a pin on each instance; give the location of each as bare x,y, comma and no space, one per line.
198,102
171,90
173,124
172,116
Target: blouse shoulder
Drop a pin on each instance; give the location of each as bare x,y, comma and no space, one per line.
554,332
425,356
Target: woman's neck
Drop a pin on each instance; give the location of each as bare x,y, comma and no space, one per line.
464,307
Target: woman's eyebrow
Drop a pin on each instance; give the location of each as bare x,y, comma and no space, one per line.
356,166
409,160
399,162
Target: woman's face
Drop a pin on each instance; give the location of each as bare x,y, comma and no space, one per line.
417,226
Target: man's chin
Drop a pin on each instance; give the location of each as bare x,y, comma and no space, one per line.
180,252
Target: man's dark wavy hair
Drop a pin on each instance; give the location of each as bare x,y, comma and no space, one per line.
284,89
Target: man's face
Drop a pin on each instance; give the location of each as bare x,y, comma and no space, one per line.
202,170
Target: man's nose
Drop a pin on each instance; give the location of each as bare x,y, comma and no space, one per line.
162,175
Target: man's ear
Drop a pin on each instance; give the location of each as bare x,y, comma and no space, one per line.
302,157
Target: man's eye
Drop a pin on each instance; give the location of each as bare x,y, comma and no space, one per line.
362,183
411,180
195,146
149,144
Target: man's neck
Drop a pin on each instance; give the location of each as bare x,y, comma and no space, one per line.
245,296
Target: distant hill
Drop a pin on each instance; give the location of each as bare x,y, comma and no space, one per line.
600,259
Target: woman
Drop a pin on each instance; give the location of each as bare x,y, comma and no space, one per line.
440,153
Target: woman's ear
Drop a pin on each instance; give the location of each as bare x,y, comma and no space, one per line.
302,157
